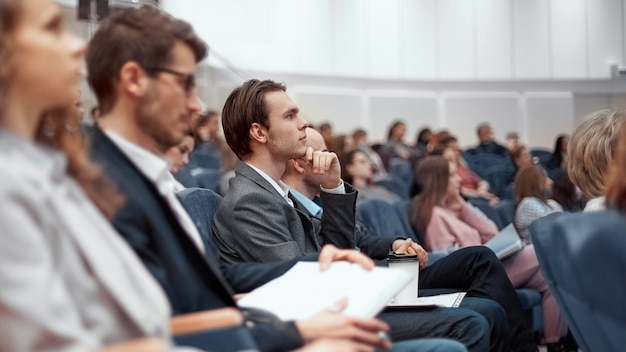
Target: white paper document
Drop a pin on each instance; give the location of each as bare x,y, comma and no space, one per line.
304,291
443,300
506,242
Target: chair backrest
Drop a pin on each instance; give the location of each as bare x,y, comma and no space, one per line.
386,219
583,259
201,204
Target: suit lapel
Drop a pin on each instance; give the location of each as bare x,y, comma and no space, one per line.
136,177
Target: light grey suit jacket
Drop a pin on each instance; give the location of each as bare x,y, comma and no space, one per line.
68,282
255,223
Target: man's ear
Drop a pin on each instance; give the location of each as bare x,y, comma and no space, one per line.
133,79
258,133
296,163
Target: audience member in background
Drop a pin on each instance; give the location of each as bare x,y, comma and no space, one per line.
146,91
260,220
357,170
590,154
423,137
487,142
559,153
471,184
512,140
342,144
396,147
532,196
179,154
67,280
436,138
565,192
521,158
448,222
326,130
360,141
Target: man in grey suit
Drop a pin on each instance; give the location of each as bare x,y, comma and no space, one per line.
259,220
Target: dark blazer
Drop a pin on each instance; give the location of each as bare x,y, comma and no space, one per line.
192,281
255,223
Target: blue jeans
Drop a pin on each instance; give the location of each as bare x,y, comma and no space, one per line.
463,325
428,345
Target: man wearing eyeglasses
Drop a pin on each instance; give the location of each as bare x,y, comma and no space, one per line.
141,65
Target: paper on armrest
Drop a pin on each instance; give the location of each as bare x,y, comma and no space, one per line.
304,291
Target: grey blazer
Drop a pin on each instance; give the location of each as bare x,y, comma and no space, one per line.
255,223
68,282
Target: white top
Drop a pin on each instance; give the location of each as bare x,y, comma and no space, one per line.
595,204
68,282
157,169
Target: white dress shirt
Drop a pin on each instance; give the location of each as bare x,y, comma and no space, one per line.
157,169
283,189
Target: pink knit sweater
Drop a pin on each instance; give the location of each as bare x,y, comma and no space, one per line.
468,227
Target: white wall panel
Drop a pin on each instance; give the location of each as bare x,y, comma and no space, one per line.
569,38
457,51
349,37
384,34
585,104
549,114
494,39
418,39
415,111
605,36
464,111
531,38
309,36
342,108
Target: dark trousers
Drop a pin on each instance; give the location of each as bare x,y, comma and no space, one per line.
478,271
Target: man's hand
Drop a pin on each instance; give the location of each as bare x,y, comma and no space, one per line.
330,324
409,247
324,163
331,254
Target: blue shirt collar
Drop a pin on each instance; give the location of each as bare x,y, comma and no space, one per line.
310,206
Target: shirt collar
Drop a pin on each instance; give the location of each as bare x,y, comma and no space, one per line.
310,206
155,167
280,186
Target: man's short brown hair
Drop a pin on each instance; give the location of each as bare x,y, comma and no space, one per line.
144,35
246,105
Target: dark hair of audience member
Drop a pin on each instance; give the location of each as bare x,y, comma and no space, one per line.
52,127
346,160
616,189
200,122
432,174
243,107
564,192
423,136
395,124
560,145
144,36
530,182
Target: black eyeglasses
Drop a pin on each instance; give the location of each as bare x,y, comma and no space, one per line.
189,81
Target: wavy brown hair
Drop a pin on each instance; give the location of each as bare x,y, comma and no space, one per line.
433,175
616,185
102,191
530,182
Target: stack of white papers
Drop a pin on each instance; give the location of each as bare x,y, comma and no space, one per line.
304,291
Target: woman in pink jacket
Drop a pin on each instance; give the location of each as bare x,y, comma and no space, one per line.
447,222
